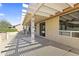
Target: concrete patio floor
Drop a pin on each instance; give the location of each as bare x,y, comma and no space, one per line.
21,46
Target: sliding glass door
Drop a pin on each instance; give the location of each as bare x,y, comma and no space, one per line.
42,29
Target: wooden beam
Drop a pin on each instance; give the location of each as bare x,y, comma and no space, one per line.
52,8
39,7
65,18
65,11
27,18
42,14
73,16
45,12
70,4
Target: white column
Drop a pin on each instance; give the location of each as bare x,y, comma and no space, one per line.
27,29
32,30
70,33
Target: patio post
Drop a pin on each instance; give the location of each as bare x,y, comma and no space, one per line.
32,30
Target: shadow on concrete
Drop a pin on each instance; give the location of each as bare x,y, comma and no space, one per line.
20,44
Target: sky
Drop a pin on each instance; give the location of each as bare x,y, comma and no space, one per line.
11,12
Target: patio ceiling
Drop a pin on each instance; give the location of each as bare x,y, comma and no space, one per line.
45,10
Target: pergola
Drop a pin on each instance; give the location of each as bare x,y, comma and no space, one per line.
35,12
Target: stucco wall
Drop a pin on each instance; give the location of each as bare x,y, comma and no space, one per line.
19,28
3,37
11,35
52,27
52,33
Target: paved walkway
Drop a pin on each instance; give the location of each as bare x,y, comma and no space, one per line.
21,46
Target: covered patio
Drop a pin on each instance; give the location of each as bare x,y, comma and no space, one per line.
40,34
39,12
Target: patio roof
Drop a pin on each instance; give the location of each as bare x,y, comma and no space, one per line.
42,11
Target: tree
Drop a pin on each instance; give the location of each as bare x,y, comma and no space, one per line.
4,24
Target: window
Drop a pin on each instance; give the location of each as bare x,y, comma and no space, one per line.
69,24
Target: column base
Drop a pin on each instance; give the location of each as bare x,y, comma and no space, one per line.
33,41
